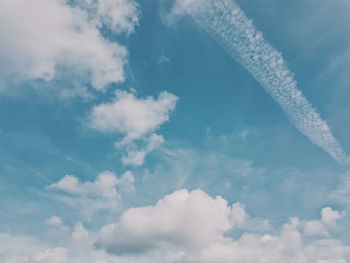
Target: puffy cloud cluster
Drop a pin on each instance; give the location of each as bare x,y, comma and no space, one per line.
39,44
182,218
183,227
131,116
75,247
190,227
329,216
135,119
328,221
102,193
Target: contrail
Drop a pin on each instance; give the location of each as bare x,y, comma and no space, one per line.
230,27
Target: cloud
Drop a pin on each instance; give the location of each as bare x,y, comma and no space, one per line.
137,157
55,255
190,219
328,220
135,119
76,247
163,59
54,221
64,38
118,15
79,232
315,228
190,227
330,216
230,27
132,117
342,193
238,214
182,227
104,193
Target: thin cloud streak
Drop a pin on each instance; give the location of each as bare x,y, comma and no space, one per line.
230,27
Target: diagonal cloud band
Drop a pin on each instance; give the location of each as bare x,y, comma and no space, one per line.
230,27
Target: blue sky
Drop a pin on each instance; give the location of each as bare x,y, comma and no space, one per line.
168,131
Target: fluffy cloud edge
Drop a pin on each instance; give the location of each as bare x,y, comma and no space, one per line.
66,37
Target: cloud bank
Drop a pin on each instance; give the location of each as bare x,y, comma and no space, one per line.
190,226
229,26
184,227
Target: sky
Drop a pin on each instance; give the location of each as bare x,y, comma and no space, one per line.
175,131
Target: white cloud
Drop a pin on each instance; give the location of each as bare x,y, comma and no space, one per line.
190,219
104,184
315,228
189,227
38,44
135,119
228,24
330,216
132,117
101,194
118,15
55,255
238,214
136,156
342,193
77,248
54,221
24,249
183,227
80,233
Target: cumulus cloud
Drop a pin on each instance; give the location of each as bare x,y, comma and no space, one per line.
101,194
330,216
238,214
135,119
190,219
190,227
132,117
77,248
41,45
79,232
228,24
136,156
184,227
321,227
315,228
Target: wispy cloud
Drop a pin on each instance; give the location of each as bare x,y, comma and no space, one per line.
230,27
104,193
